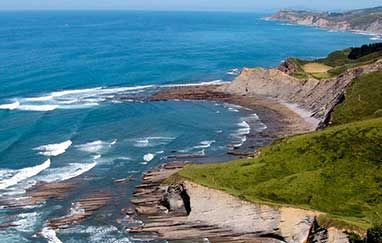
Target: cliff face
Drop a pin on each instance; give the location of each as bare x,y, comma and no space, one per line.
188,211
319,97
365,20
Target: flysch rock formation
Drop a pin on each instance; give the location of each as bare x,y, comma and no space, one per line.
317,97
186,211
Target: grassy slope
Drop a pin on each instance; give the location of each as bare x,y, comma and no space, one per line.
339,62
363,100
337,171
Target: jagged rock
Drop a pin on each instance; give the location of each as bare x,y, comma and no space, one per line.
288,67
317,234
193,212
174,200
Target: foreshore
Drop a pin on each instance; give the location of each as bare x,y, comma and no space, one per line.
282,120
187,211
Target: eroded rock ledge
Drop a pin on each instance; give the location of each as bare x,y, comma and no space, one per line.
316,97
188,211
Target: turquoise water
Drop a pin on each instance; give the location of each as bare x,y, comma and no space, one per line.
62,75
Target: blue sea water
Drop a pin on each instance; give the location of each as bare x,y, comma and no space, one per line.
62,75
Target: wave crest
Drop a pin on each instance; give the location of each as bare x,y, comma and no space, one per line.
23,174
54,149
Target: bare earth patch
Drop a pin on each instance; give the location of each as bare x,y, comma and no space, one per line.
316,68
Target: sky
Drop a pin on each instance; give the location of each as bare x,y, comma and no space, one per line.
210,5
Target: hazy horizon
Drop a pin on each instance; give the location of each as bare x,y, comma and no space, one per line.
174,5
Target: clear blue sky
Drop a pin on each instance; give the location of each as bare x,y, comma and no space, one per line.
250,5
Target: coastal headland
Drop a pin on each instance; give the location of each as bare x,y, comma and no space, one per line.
178,201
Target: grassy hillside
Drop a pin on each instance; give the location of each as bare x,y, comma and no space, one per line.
335,63
363,100
337,171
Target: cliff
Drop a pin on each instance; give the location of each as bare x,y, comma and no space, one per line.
187,211
363,20
318,97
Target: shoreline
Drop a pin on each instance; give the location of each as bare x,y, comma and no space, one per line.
282,119
181,210
188,211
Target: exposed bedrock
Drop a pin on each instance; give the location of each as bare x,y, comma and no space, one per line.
188,211
319,97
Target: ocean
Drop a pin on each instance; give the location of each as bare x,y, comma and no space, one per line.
64,117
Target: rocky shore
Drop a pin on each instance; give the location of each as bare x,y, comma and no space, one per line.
280,120
188,212
183,210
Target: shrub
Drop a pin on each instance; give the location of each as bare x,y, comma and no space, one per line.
374,235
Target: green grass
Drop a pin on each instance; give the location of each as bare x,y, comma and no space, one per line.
338,60
363,100
337,171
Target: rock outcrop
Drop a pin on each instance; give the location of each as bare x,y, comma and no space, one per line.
188,211
363,20
318,97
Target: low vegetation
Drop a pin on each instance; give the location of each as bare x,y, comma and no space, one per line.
336,62
363,100
337,171
364,50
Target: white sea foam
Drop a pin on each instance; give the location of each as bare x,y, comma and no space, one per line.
24,174
214,82
99,233
76,209
245,128
11,106
152,141
205,144
26,221
50,235
241,134
83,98
70,171
95,146
234,71
376,38
148,157
37,107
123,158
54,149
71,99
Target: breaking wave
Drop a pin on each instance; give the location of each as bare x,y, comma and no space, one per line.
65,173
23,174
84,98
152,141
205,144
95,146
54,149
11,106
